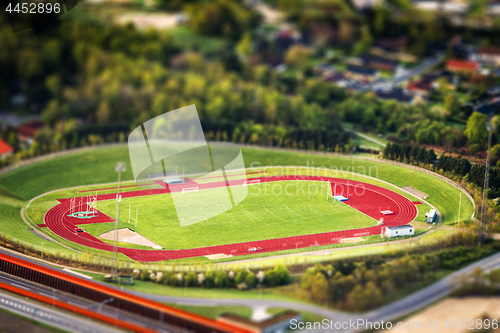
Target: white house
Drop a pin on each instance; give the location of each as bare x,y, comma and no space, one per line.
399,231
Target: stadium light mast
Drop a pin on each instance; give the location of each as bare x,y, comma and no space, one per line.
120,167
489,128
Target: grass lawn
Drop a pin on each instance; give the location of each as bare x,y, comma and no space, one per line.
214,311
96,166
307,317
262,215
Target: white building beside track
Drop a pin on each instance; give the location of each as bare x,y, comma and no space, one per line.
399,231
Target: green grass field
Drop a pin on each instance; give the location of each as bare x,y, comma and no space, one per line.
262,215
96,166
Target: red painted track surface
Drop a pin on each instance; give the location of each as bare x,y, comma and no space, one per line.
366,198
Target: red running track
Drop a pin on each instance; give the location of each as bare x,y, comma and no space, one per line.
366,198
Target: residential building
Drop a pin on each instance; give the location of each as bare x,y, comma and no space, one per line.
365,4
377,62
5,149
360,73
322,33
26,132
428,83
462,66
448,7
397,44
489,55
284,39
397,94
424,86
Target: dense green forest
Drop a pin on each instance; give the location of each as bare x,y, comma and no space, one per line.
92,82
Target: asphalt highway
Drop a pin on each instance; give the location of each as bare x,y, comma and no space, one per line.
51,316
398,309
85,326
392,311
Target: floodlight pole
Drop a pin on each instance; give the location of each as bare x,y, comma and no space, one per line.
120,167
489,127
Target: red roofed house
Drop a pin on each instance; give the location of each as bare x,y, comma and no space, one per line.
490,55
463,66
392,44
5,149
321,33
423,86
26,132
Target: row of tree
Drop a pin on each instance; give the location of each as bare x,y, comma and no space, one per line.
457,166
409,153
370,283
241,279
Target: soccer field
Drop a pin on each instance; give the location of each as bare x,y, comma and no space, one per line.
266,213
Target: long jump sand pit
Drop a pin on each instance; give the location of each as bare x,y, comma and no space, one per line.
451,309
217,256
353,240
128,235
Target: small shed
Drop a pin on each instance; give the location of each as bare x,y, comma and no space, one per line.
430,217
399,231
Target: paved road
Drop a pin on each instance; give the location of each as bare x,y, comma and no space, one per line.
426,64
364,136
50,316
68,320
392,311
393,82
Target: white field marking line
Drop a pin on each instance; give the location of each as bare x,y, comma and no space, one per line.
334,209
272,213
227,215
313,210
294,212
246,211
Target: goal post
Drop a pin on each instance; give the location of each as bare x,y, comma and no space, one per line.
190,189
251,182
331,194
130,215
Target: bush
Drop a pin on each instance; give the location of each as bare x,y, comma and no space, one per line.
271,279
144,276
221,280
251,280
209,279
191,279
240,277
282,275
